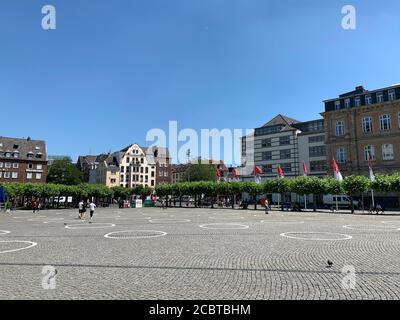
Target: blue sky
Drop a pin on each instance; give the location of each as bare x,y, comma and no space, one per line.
112,70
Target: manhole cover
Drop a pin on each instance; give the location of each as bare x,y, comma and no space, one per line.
135,234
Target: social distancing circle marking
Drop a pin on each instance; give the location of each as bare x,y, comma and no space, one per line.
329,236
140,234
31,245
166,220
228,226
370,227
90,226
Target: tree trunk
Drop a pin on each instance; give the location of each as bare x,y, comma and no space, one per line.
180,202
314,202
255,202
195,200
282,206
351,204
233,201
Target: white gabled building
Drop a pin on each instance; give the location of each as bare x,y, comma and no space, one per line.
136,168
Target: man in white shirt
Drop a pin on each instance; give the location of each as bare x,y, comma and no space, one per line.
92,206
80,209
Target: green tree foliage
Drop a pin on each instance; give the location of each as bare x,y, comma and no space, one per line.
353,185
200,172
64,172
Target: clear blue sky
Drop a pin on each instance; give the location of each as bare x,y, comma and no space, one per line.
115,69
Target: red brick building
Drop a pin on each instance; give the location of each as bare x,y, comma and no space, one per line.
23,160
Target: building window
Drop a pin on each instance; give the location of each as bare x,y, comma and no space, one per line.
367,124
387,152
285,154
368,99
392,95
1,164
357,101
15,165
316,166
339,128
39,167
347,103
379,97
30,166
316,139
283,141
1,174
14,175
286,167
165,173
6,175
337,105
369,150
385,122
318,151
266,155
29,175
267,168
265,143
341,154
8,165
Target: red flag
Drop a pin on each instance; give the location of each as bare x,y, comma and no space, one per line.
305,168
257,170
336,171
280,171
235,173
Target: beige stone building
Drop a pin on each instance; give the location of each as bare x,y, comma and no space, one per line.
362,123
107,171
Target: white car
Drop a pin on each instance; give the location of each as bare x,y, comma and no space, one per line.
342,201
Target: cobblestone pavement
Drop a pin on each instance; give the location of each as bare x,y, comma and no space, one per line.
181,253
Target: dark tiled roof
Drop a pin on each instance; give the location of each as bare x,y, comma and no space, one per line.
24,147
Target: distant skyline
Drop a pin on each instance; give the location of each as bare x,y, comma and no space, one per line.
114,70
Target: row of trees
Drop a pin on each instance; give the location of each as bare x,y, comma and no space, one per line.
351,185
22,193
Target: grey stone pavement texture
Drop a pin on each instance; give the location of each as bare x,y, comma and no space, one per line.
236,254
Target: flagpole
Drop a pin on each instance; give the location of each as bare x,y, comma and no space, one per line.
337,205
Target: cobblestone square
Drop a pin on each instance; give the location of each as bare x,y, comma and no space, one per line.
182,253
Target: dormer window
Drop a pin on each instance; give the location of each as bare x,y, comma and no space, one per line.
15,146
357,101
347,103
30,155
37,148
379,97
392,95
39,156
337,105
16,154
8,154
368,99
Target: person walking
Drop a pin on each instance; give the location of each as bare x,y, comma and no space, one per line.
34,206
266,206
92,207
80,209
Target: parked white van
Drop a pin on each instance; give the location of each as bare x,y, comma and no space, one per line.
342,201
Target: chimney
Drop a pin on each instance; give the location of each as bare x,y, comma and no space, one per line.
361,88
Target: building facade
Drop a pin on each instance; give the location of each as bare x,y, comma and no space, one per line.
362,123
108,172
23,160
312,148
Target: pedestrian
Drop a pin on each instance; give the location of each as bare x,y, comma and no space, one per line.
378,208
34,206
359,205
92,206
80,207
266,206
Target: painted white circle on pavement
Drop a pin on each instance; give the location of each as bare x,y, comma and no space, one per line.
228,226
135,234
31,244
166,220
90,226
283,222
316,236
370,227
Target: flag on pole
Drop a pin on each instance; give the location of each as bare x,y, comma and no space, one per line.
257,172
218,175
371,172
305,170
280,171
336,171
